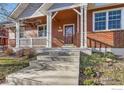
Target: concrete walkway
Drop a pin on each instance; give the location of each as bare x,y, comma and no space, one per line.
54,73
59,70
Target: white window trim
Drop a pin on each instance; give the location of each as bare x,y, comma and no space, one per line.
106,30
38,30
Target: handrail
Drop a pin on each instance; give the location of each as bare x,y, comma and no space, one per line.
100,43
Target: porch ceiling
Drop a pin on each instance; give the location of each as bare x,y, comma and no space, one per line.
34,22
66,14
36,19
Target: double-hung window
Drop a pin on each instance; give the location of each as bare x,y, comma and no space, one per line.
114,20
100,21
42,31
107,20
22,32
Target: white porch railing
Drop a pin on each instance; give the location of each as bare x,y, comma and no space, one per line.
37,42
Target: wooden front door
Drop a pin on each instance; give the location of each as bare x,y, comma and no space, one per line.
68,34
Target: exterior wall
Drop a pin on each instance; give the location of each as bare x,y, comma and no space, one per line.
62,18
3,38
107,38
11,37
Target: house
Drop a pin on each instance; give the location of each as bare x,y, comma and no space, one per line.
57,25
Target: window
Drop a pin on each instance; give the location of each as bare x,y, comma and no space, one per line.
114,19
22,30
100,21
42,31
107,20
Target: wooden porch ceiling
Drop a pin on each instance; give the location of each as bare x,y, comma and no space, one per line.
66,14
33,22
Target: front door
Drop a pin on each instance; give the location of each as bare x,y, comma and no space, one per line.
68,34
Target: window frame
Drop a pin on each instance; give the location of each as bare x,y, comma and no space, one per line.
99,20
22,32
38,31
107,20
114,19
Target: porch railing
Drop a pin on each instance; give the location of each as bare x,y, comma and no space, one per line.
93,43
33,42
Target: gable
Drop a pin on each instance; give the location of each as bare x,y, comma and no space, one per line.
30,10
19,9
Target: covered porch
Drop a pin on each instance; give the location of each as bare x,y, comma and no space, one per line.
68,27
33,33
57,29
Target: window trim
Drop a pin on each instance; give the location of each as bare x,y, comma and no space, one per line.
107,12
38,31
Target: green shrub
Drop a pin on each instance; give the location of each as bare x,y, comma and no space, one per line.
88,82
110,55
85,60
88,72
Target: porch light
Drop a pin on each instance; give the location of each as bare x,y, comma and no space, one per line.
60,29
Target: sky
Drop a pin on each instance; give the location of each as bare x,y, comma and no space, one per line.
9,7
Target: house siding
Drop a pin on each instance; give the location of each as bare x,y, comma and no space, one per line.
3,37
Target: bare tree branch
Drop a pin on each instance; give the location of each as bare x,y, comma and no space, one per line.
4,13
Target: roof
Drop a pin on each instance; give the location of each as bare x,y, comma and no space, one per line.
6,22
30,10
60,5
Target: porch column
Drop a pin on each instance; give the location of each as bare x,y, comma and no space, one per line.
49,30
82,28
85,26
17,34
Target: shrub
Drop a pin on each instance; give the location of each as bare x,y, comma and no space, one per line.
88,82
20,53
89,72
29,52
9,52
110,55
2,78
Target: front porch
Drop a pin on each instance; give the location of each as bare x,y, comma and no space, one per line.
60,28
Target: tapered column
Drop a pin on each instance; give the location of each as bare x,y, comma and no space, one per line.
17,34
49,30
